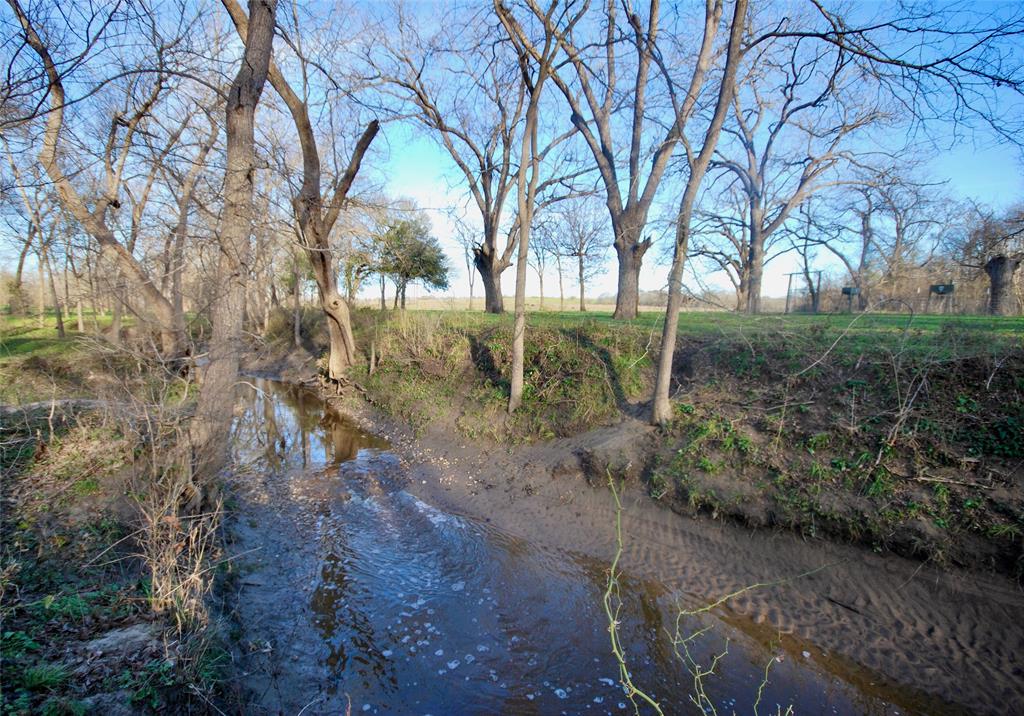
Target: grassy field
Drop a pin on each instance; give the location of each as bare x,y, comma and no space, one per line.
705,322
35,364
855,333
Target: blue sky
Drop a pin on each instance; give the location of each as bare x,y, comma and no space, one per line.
417,168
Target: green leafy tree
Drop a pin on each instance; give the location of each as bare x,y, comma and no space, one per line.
407,253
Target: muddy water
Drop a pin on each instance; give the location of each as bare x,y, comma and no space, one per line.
379,577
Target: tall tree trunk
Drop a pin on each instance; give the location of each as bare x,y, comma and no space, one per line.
93,219
583,291
19,302
743,287
1000,270
92,296
296,306
755,261
177,299
267,309
116,327
529,158
41,293
343,346
630,251
561,283
316,216
866,236
80,318
67,292
661,407
216,397
116,311
540,277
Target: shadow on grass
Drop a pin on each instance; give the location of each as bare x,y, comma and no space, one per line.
483,360
605,356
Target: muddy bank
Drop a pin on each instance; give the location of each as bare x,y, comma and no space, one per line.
924,638
353,551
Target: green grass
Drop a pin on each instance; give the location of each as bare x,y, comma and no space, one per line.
583,368
22,336
44,677
703,322
36,365
935,336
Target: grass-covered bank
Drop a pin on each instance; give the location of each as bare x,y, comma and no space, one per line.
454,368
104,582
903,433
914,444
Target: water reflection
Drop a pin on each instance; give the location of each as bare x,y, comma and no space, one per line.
290,427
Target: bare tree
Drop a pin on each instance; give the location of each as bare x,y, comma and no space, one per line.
541,253
142,91
995,244
699,161
580,236
536,63
795,113
465,235
36,208
922,60
216,398
473,101
589,81
316,211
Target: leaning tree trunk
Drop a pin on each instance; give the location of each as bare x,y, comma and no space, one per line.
41,293
343,345
296,306
1000,270
561,283
115,313
57,309
19,304
216,398
630,251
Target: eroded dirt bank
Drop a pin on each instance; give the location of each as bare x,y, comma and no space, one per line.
360,560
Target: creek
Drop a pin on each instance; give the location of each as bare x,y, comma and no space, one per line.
426,582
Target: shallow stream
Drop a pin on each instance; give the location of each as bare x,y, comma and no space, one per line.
404,585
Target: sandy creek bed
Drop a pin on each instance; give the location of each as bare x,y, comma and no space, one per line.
426,577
